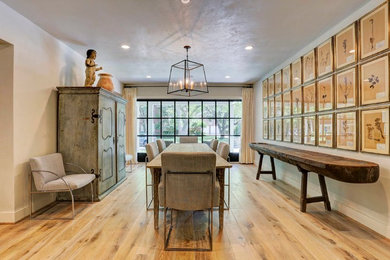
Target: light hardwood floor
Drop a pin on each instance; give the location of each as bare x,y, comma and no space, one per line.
264,222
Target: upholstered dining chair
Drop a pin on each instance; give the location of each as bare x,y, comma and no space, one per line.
188,184
188,139
214,144
151,152
223,151
49,175
161,145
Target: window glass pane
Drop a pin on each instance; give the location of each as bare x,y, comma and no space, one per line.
181,126
208,127
141,109
154,126
222,126
141,126
195,126
168,127
152,139
223,109
208,138
170,139
236,109
195,109
209,109
154,108
181,109
235,144
224,139
168,109
235,126
142,141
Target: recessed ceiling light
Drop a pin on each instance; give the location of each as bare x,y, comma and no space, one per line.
148,77
227,77
126,47
249,47
185,1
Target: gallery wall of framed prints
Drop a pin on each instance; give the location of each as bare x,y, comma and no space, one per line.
336,95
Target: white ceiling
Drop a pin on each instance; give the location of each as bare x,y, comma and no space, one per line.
157,30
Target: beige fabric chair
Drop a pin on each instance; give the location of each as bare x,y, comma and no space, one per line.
223,151
161,145
188,139
214,144
188,184
151,152
49,175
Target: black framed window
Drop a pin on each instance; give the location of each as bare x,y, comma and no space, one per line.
206,119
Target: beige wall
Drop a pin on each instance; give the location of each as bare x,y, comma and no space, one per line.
369,204
41,62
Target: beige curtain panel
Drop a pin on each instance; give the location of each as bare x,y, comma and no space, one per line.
130,94
247,126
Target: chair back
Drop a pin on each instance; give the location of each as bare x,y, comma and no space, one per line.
188,139
151,150
189,180
161,145
214,144
223,150
53,163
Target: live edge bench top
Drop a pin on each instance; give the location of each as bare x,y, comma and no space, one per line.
335,167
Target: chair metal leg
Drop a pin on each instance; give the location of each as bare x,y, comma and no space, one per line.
31,195
71,195
92,191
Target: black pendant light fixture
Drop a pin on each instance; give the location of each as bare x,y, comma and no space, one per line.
187,78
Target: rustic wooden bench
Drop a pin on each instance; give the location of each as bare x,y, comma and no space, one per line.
334,167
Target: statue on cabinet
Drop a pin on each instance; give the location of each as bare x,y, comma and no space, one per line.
91,68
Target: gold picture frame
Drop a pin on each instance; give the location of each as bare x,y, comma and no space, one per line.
374,81
287,103
271,129
375,131
325,58
271,109
325,130
296,100
278,105
286,78
278,82
309,67
345,46
297,130
265,129
278,130
309,98
309,130
325,94
287,130
265,88
346,130
265,108
271,86
346,89
374,31
296,72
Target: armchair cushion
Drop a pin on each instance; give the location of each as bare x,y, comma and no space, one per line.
75,181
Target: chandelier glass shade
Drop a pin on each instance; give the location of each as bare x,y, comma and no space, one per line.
187,78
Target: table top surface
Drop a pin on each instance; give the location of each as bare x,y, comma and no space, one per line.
189,148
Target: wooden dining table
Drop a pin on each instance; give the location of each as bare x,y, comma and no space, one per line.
221,165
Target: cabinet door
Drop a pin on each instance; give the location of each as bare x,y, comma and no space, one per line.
121,140
107,162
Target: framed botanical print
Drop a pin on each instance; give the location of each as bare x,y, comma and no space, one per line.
297,130
271,129
296,72
287,129
278,82
345,50
374,81
265,108
325,130
325,94
278,130
309,98
309,130
271,86
271,109
286,78
346,89
375,131
265,88
278,105
325,58
374,31
265,129
308,66
287,103
297,101
346,131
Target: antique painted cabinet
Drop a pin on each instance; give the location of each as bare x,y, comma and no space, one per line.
91,133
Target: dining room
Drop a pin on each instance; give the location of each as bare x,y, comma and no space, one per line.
195,129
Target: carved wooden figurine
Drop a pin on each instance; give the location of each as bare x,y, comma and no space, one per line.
91,68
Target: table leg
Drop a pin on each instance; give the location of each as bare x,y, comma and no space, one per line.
156,204
221,179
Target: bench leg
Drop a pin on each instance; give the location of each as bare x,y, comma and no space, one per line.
259,171
260,165
273,168
303,189
324,192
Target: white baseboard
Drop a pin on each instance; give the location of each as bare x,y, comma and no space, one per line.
14,216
